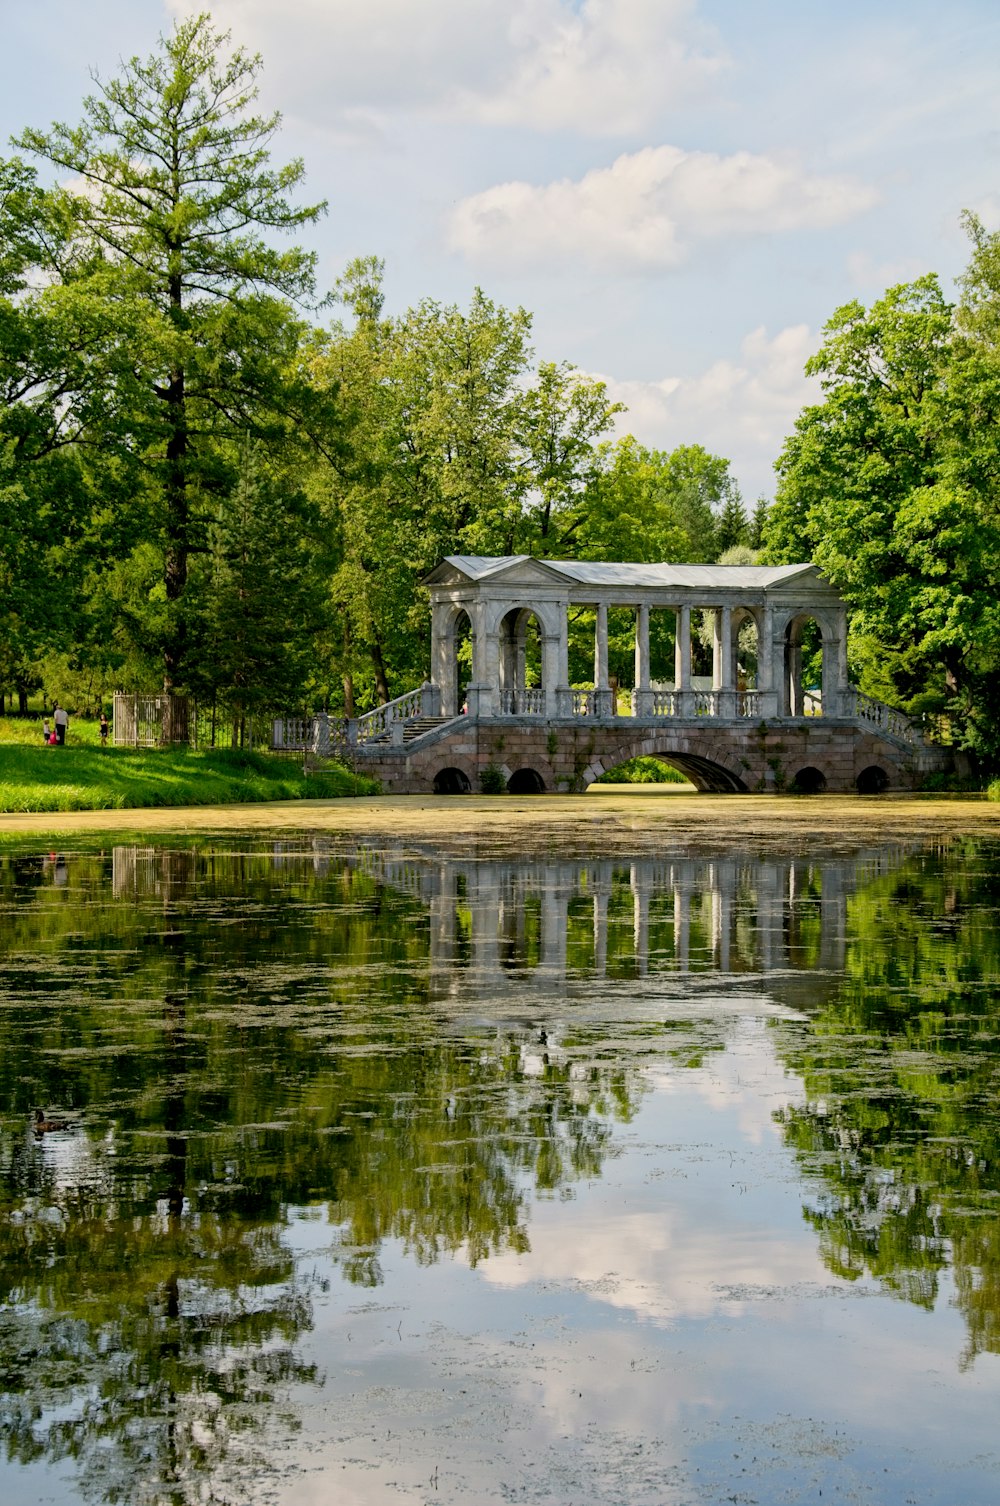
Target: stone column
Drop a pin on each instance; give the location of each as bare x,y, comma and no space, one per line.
683,699
555,672
643,703
485,686
443,648
602,690
722,662
835,667
767,698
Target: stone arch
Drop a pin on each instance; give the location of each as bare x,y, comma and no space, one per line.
746,659
452,780
809,781
513,631
716,775
455,627
792,691
872,780
526,782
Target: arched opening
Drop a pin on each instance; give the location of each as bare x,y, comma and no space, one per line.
451,782
642,770
707,777
802,688
526,782
809,781
521,679
462,659
872,781
745,659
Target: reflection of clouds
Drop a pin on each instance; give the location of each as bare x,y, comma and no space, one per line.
671,1257
748,1063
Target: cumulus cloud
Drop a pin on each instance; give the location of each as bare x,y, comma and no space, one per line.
603,66
742,408
648,209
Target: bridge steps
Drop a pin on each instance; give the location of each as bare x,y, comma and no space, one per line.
415,727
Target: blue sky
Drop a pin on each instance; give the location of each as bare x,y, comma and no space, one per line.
681,191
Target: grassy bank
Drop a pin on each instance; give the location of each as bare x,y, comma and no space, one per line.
79,778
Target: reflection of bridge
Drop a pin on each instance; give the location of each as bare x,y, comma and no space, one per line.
536,931
500,695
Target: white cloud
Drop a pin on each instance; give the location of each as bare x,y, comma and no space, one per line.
609,66
740,408
603,66
646,210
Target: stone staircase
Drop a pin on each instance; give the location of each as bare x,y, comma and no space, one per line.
415,727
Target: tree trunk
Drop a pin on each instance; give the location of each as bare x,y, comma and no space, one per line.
381,679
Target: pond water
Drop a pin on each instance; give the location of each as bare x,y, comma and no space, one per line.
461,1171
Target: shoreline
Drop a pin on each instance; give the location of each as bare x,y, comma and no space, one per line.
638,813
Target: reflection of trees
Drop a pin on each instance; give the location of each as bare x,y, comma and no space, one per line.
226,1047
901,1071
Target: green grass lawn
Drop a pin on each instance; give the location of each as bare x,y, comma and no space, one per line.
84,776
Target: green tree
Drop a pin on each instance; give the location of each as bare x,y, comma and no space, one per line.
258,596
886,485
561,416
179,196
652,505
431,400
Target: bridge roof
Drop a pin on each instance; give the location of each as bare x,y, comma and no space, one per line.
606,573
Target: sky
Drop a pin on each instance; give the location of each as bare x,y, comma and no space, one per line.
681,192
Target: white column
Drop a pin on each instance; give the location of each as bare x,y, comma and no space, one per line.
722,649
558,698
643,702
682,663
601,647
443,646
722,662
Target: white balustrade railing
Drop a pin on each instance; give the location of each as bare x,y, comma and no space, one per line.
653,703
748,703
877,714
812,705
706,703
584,703
522,702
378,722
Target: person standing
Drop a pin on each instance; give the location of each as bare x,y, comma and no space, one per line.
61,719
45,731
104,729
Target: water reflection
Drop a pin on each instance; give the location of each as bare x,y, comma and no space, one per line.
425,1045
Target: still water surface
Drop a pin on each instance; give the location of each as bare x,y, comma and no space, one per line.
430,1173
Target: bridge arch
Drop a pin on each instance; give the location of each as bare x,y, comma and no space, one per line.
451,779
526,781
718,774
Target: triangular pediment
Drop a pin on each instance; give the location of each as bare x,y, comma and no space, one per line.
513,571
806,581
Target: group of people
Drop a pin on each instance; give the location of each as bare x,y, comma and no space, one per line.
55,735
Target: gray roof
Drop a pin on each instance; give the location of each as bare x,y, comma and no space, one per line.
605,573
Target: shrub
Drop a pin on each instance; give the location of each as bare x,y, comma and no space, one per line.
491,780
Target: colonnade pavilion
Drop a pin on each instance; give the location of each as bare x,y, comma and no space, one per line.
494,601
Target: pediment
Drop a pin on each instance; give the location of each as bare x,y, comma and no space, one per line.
516,572
806,584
